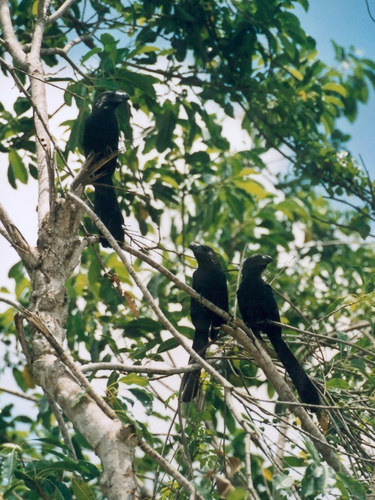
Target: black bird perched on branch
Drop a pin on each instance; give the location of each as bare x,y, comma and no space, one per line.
258,306
100,136
208,280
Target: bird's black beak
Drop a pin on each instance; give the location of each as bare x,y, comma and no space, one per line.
267,259
193,246
121,96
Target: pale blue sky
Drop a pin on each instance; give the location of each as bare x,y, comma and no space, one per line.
347,22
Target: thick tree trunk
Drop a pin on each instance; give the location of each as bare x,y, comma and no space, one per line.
59,252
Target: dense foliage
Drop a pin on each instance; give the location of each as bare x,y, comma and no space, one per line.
195,69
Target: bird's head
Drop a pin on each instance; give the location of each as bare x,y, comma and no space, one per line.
205,255
256,264
110,100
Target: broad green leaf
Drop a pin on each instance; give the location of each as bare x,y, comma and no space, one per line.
296,73
140,326
90,53
328,123
247,171
337,383
144,397
134,378
8,466
252,187
335,87
293,207
34,8
334,100
168,345
238,494
18,168
165,124
356,490
139,81
82,490
19,378
143,50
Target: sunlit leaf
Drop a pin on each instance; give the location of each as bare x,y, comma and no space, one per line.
337,383
296,73
252,187
335,87
19,171
133,378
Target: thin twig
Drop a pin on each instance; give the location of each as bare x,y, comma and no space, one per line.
19,394
62,426
94,367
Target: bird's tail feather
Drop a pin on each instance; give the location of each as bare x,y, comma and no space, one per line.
305,388
108,210
190,381
189,385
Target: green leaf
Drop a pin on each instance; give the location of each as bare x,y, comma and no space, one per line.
145,350
137,327
305,4
252,187
238,494
143,49
328,123
356,490
108,41
282,482
82,490
8,466
294,461
17,167
168,345
133,378
165,124
335,87
144,397
337,383
19,378
293,208
247,171
64,491
139,81
201,157
21,105
34,8
331,99
296,73
90,53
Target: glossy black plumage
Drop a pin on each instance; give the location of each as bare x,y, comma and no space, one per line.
210,281
101,136
257,305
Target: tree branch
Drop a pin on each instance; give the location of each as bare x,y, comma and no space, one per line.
19,394
10,40
37,38
94,367
13,235
171,470
62,426
60,11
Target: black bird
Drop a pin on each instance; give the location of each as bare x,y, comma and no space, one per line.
208,280
258,306
100,136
